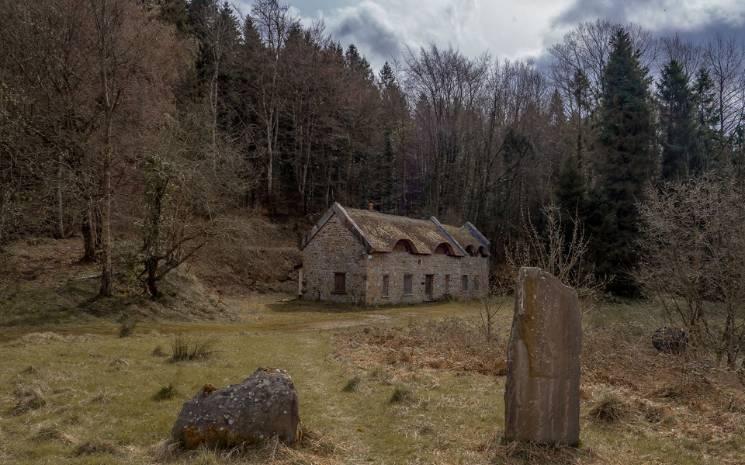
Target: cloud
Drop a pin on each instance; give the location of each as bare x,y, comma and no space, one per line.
659,15
384,29
369,25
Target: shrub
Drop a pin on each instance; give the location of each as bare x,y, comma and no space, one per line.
185,349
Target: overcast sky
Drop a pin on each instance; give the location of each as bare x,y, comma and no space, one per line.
382,29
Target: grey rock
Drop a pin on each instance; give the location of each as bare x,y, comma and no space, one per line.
670,340
543,362
261,407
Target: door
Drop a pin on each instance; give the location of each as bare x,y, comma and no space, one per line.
428,285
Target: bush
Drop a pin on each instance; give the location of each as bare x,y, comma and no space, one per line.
185,349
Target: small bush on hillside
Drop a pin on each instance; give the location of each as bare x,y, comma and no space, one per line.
185,349
165,393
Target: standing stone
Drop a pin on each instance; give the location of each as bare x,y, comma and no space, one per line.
263,406
541,397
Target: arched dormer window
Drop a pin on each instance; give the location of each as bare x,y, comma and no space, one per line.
444,249
404,245
483,252
471,250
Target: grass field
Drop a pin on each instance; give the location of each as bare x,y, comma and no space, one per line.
89,394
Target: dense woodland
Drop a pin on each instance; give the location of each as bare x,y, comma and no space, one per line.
160,116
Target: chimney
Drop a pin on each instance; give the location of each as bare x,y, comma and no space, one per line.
371,206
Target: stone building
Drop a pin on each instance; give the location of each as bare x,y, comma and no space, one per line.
370,258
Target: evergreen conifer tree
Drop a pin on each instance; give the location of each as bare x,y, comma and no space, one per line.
624,139
680,153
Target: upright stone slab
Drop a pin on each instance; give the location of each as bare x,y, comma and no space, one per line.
541,397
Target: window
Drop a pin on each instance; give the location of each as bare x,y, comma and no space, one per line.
340,283
476,283
386,287
464,282
407,284
447,284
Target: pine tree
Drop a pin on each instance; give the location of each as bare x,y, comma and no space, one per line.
680,154
625,135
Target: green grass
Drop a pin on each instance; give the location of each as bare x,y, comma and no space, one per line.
99,391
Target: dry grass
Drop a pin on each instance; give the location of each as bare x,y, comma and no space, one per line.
451,343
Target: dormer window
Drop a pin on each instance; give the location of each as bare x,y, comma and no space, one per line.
444,249
404,245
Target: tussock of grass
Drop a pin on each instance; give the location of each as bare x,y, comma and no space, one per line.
609,409
185,349
127,327
520,453
158,352
352,384
52,432
27,399
165,393
96,447
401,394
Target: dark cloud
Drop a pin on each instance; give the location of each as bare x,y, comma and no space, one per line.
367,29
689,21
613,10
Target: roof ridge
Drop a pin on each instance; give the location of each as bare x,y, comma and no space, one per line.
448,236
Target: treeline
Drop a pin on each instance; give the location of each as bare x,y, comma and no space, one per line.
164,114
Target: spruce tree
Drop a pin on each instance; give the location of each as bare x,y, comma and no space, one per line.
707,119
571,190
680,154
624,138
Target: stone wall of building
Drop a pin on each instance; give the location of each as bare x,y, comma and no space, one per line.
334,249
447,277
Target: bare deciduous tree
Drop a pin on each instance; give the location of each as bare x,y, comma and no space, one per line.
559,248
693,262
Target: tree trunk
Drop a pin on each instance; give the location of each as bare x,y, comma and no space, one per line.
60,205
89,229
729,338
106,269
151,281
